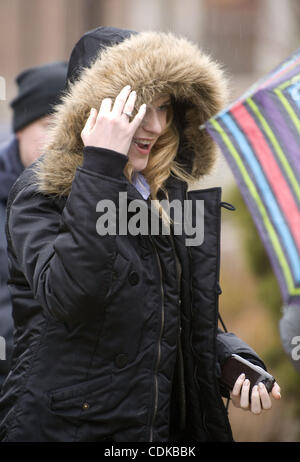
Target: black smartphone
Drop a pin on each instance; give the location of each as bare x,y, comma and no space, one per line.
236,365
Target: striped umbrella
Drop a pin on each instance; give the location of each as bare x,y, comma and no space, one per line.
259,134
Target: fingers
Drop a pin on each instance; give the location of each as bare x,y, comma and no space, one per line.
245,395
91,119
90,123
255,401
129,105
264,396
125,101
235,393
121,100
276,391
110,128
240,392
105,106
260,398
138,118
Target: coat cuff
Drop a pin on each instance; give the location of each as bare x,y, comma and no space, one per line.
104,161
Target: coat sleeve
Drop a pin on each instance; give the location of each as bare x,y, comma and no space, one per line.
228,343
66,263
6,320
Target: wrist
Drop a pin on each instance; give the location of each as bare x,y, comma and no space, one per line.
104,161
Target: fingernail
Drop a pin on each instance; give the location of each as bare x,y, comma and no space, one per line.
242,376
127,87
246,382
261,385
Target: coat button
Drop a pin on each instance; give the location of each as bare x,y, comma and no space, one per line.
121,360
133,278
85,406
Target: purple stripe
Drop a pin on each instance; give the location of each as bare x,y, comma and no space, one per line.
293,299
283,78
281,73
270,110
252,207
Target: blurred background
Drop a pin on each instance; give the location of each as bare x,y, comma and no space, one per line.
249,37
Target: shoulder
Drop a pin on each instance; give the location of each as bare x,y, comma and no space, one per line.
29,212
26,180
25,191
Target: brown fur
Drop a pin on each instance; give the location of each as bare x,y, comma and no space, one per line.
152,63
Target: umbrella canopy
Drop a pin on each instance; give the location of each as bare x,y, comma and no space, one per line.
259,134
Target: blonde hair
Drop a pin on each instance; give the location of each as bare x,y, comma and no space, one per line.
161,165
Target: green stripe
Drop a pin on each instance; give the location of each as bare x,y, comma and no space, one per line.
254,193
289,82
276,146
289,109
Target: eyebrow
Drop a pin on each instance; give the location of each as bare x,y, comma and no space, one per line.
166,101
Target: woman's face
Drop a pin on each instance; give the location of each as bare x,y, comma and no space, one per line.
152,126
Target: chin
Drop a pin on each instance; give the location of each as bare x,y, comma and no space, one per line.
139,164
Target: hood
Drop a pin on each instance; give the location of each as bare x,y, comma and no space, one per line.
151,62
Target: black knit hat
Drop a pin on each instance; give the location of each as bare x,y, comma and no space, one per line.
39,90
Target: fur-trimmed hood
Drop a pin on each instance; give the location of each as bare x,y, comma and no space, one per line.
152,63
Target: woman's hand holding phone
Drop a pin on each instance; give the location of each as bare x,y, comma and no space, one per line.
260,398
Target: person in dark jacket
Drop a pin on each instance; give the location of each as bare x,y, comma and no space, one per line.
117,334
38,91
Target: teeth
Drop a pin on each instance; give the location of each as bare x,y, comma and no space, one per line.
142,142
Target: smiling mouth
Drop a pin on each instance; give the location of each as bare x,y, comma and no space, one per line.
143,146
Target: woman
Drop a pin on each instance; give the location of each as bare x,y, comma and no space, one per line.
116,334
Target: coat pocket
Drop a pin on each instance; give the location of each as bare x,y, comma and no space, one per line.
85,400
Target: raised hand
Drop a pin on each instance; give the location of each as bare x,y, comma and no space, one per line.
111,128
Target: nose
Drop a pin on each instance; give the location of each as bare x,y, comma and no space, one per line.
152,122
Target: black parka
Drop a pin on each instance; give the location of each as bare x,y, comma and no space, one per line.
116,336
10,168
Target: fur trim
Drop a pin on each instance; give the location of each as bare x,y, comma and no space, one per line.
151,62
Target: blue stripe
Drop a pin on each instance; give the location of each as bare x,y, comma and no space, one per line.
294,91
268,196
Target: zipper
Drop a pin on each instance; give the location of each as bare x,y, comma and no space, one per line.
182,399
190,259
158,347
